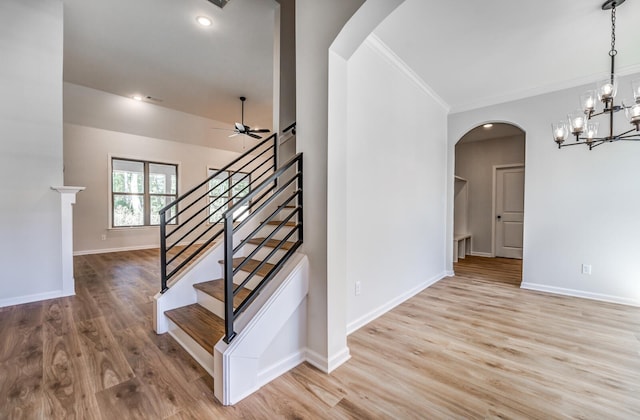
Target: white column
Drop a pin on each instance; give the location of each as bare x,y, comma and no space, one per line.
67,199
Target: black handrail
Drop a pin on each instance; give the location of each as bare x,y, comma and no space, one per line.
268,185
181,241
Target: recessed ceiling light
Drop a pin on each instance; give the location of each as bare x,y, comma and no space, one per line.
488,125
203,20
137,97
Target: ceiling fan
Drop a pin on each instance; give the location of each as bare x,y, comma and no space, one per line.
241,128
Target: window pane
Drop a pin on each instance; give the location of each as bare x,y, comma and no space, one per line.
241,184
162,178
128,210
158,202
217,209
128,176
219,189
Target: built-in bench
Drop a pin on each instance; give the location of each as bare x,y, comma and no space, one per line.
461,245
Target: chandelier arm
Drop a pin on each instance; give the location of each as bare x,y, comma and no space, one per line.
626,132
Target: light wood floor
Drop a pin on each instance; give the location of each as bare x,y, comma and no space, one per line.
467,347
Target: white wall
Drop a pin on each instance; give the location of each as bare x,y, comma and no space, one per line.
95,108
581,206
474,162
396,166
317,24
86,161
31,45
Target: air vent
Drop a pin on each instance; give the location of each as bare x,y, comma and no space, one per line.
220,3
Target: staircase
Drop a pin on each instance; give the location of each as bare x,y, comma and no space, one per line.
232,281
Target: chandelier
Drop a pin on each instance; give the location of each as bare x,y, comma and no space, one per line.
580,124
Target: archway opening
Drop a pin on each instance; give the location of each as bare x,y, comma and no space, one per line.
489,202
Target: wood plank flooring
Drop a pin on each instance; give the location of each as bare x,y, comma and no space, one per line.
470,346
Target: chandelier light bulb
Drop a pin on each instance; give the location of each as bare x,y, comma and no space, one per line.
636,89
560,131
577,121
592,131
607,88
588,101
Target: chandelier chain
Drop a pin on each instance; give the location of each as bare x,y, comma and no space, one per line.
613,31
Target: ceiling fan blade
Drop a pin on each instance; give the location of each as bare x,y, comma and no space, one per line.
233,135
260,130
255,136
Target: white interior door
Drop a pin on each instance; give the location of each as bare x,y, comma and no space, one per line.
509,215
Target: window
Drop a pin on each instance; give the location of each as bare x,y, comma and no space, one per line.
139,190
221,197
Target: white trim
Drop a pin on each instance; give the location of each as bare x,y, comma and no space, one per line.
449,273
279,368
317,360
579,294
365,319
338,359
19,300
481,254
108,250
110,157
493,202
377,45
529,92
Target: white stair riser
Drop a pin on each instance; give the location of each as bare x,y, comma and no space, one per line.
210,303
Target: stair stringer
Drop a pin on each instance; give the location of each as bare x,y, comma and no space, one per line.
181,291
238,370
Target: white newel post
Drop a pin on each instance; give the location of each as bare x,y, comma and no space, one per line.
67,199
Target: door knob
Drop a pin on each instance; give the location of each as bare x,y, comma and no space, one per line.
498,217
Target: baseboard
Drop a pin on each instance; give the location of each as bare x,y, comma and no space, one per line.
285,365
109,250
365,319
20,300
579,294
482,254
317,360
449,273
338,359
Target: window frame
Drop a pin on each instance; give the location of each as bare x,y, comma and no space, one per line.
229,174
146,194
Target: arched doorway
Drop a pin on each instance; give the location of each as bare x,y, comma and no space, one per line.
489,201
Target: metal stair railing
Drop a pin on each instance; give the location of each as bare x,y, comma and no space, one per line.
194,221
283,188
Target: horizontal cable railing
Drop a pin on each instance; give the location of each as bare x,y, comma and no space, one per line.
279,197
194,221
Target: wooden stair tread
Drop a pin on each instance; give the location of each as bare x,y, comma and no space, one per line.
203,326
272,243
215,288
277,222
251,265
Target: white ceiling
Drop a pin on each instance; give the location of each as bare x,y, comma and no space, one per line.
471,53
478,53
156,48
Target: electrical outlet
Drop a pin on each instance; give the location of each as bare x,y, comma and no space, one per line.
358,288
586,269
104,237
